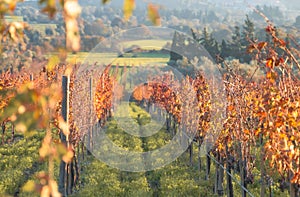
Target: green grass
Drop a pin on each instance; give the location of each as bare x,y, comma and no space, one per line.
175,179
100,179
147,44
141,59
19,161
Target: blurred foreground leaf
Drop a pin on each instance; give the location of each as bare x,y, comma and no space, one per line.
129,6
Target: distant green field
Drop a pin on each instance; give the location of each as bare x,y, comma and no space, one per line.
128,59
112,58
140,61
147,44
42,27
13,18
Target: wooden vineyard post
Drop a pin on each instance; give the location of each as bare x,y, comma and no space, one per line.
242,170
12,70
207,173
90,131
191,153
216,178
3,131
199,156
12,132
219,176
31,77
262,167
63,170
220,189
228,177
293,190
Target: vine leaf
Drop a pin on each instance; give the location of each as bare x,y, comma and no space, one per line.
52,62
153,14
129,6
269,63
262,45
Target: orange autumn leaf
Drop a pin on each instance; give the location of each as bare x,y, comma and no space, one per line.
257,132
129,6
247,132
153,14
279,123
138,94
12,5
262,45
251,48
269,75
282,43
269,63
230,107
262,114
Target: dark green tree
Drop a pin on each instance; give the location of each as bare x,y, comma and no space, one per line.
225,50
248,33
248,37
49,31
236,46
209,43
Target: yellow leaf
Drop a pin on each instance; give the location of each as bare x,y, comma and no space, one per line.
153,14
270,63
54,189
45,191
44,151
129,6
269,75
68,156
63,126
52,62
295,114
29,186
61,149
12,5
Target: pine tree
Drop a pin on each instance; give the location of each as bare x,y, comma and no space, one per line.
236,47
209,43
225,50
248,32
248,36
